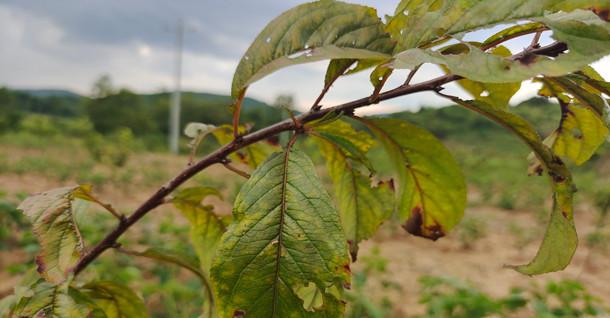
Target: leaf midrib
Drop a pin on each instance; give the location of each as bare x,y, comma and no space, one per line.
278,254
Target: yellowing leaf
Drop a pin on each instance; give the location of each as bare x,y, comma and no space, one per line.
286,234
206,227
313,298
312,32
581,133
54,301
560,240
115,300
362,207
53,223
431,187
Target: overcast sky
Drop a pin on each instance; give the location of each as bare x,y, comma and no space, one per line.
67,44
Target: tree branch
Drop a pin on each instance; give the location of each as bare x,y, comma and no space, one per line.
218,155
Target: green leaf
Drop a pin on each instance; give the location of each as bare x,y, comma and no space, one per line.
496,94
285,235
312,32
416,23
431,187
362,207
53,223
115,300
53,301
560,240
587,38
252,155
580,134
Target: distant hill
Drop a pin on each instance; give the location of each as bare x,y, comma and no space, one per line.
49,93
196,106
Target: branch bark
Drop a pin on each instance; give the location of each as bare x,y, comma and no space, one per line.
218,156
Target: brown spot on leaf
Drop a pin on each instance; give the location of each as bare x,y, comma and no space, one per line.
556,177
603,13
41,267
239,313
415,226
565,214
347,268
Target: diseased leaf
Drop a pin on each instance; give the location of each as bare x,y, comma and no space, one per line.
362,207
580,134
55,228
560,240
312,32
286,234
588,99
587,38
431,188
54,301
115,300
416,23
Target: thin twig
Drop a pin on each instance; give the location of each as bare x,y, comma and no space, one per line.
237,112
536,40
411,75
316,105
375,96
108,207
243,141
228,165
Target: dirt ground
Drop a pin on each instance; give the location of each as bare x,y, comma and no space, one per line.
483,263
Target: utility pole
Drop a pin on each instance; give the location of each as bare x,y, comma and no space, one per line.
174,113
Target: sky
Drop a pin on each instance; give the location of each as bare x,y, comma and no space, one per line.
68,44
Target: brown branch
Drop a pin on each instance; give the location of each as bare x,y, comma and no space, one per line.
411,75
218,155
228,165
